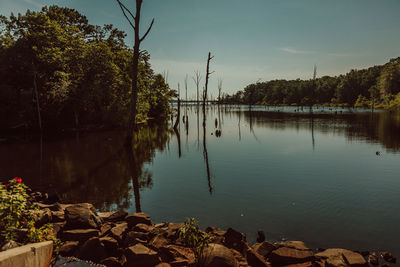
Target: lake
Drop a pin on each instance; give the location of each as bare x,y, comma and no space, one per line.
330,178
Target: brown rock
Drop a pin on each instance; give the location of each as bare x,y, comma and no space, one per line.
58,227
109,243
373,258
105,228
173,231
388,257
158,241
179,262
143,228
82,216
163,264
255,259
43,216
133,238
57,216
80,235
215,231
119,230
264,248
92,250
303,264
216,255
299,245
68,248
140,255
351,258
171,252
136,218
286,255
235,240
111,262
260,236
114,216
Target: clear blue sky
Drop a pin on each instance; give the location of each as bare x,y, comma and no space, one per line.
252,39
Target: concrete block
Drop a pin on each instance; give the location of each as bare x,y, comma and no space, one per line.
32,255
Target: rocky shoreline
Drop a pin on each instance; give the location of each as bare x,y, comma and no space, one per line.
117,239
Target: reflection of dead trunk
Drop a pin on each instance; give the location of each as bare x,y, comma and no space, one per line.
205,153
198,128
135,179
179,114
240,136
178,137
312,131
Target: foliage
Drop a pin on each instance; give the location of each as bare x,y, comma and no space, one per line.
193,237
375,86
83,72
16,214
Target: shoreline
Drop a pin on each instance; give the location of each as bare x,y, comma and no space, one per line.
121,239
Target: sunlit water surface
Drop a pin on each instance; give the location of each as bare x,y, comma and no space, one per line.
300,176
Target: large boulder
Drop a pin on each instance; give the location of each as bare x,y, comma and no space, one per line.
255,259
92,250
338,255
235,240
290,252
109,243
216,255
264,248
80,235
113,216
82,216
119,230
68,248
136,218
140,255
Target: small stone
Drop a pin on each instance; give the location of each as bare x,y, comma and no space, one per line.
9,245
140,255
235,240
260,236
109,243
118,232
57,216
215,255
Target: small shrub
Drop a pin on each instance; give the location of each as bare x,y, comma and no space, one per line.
17,213
193,237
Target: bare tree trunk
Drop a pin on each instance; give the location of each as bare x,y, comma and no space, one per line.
207,76
197,82
136,50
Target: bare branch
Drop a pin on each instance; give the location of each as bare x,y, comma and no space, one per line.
211,72
126,16
123,6
148,30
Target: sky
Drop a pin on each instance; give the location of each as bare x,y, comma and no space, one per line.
251,40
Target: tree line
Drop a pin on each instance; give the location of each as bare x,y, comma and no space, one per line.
58,70
375,87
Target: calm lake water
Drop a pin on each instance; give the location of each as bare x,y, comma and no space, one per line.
299,176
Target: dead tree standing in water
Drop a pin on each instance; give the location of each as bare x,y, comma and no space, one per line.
134,21
179,109
197,80
208,73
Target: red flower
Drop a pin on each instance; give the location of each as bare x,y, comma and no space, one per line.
18,179
6,186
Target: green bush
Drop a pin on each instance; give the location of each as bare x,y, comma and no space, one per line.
193,237
17,215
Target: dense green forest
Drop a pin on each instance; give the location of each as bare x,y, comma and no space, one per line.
82,73
378,87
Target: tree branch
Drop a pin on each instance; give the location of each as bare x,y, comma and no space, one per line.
123,11
148,30
122,5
